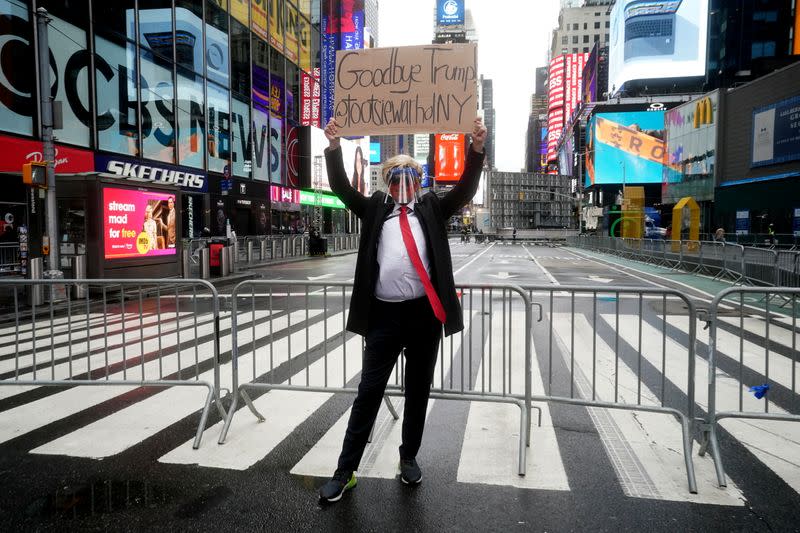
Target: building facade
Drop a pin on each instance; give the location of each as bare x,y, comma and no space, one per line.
486,98
525,200
213,99
579,28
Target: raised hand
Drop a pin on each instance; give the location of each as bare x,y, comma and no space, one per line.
479,135
331,132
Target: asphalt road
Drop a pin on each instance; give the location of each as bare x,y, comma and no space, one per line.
105,458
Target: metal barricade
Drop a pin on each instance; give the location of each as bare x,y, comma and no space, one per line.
771,367
9,258
290,335
760,266
141,332
630,364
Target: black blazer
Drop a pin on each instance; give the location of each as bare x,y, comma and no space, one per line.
433,213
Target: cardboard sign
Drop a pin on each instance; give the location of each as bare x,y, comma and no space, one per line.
412,89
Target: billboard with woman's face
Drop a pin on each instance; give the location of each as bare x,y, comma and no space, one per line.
138,223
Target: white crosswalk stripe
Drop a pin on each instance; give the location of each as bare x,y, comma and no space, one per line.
644,449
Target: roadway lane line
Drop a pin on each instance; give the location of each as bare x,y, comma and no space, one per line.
775,443
491,437
547,273
645,449
380,457
473,260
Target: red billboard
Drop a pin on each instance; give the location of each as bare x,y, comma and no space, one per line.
310,99
450,157
138,223
564,94
17,152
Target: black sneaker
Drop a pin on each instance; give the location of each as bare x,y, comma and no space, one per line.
410,473
333,490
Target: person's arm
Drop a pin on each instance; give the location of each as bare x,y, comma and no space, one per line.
337,177
467,186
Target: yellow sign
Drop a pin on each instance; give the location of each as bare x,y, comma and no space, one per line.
292,34
703,112
630,140
276,14
304,36
143,243
259,18
240,9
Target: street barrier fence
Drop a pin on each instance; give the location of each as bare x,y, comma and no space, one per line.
619,364
722,260
488,361
145,332
606,348
737,370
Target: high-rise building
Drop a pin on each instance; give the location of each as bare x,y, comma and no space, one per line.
486,99
750,38
579,28
371,24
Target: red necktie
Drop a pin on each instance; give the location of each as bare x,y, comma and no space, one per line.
413,254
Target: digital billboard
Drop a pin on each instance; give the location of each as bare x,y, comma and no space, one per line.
138,223
342,29
355,155
690,136
776,133
450,157
563,96
657,39
374,152
449,12
625,147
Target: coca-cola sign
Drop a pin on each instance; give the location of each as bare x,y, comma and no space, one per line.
17,152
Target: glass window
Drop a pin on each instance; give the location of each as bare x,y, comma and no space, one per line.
222,4
585,38
189,35
219,128
608,24
240,60
68,47
597,25
585,26
596,13
277,12
217,49
241,136
565,40
18,86
305,8
240,9
596,38
315,40
574,39
158,115
155,27
304,39
259,22
292,33
191,120
585,49
261,143
117,113
292,91
574,50
605,37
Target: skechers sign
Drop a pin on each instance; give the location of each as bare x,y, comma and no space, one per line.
450,12
187,179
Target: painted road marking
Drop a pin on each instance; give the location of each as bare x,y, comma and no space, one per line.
491,437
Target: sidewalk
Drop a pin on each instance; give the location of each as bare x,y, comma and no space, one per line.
684,280
258,270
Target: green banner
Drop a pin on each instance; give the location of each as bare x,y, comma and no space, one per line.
320,199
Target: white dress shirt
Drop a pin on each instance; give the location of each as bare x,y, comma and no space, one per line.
397,278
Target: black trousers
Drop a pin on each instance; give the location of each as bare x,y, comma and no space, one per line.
393,327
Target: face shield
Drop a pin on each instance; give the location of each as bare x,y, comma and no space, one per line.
403,185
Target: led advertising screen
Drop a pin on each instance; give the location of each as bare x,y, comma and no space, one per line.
657,39
449,12
450,157
563,97
625,148
355,155
138,223
776,133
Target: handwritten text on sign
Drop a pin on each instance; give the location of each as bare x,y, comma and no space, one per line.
411,89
